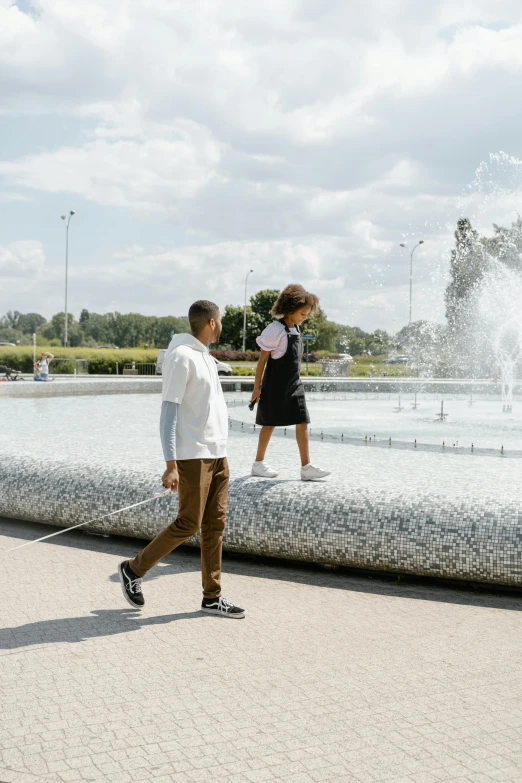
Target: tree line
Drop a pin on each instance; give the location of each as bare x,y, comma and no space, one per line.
91,330
329,336
434,345
134,330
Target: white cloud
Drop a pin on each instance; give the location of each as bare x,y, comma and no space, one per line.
22,259
7,196
152,175
377,302
307,136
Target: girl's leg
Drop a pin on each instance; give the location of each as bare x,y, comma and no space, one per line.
264,440
301,434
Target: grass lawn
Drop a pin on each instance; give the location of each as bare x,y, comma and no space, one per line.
362,367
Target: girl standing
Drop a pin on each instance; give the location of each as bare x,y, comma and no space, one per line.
279,389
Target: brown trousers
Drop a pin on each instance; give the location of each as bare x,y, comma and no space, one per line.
203,498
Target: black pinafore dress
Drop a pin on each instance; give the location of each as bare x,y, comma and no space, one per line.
282,402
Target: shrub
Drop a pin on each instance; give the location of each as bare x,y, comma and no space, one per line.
101,362
64,368
313,371
236,356
253,356
365,359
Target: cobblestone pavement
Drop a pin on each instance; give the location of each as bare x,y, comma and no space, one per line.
329,678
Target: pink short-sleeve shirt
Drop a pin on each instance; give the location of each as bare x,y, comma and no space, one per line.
274,339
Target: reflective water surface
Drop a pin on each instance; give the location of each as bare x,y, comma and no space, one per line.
115,425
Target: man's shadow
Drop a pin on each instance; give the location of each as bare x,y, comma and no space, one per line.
101,622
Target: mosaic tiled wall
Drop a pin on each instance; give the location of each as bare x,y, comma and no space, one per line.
80,385
112,384
429,534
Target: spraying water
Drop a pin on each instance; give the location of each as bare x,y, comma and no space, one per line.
499,327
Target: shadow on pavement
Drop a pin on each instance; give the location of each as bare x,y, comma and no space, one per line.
187,559
101,622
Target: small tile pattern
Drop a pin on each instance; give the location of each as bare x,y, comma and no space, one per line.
80,385
118,384
463,536
330,677
407,511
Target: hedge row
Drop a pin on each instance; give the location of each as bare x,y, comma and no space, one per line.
236,356
253,356
313,370
101,362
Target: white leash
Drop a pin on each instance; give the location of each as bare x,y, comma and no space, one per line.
159,492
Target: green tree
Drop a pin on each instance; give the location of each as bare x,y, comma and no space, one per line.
261,304
16,327
30,322
125,330
11,335
258,317
11,319
232,323
467,266
326,332
54,330
378,342
419,337
168,324
356,346
95,328
129,329
506,244
232,334
356,341
345,334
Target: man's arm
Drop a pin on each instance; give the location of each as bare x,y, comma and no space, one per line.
168,423
50,356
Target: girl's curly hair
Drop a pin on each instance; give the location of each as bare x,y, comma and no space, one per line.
292,298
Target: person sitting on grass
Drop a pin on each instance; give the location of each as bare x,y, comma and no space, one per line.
42,366
278,388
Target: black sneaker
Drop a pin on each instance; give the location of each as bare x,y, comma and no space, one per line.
222,607
130,585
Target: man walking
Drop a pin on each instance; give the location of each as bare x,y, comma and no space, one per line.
194,433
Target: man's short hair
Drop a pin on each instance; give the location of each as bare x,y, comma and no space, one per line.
201,313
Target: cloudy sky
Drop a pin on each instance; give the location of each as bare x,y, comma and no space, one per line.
304,139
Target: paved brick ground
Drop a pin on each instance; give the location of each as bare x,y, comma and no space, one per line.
329,678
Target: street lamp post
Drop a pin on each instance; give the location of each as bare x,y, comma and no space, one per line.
67,221
420,242
244,311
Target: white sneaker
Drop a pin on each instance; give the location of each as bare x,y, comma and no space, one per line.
262,470
311,473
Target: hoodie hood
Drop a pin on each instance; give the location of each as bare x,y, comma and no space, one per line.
189,340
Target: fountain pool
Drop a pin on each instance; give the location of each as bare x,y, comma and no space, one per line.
67,460
482,423
100,427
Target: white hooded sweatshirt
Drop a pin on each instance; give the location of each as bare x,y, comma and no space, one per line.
190,378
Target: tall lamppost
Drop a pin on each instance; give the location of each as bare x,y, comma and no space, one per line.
403,244
67,221
244,311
